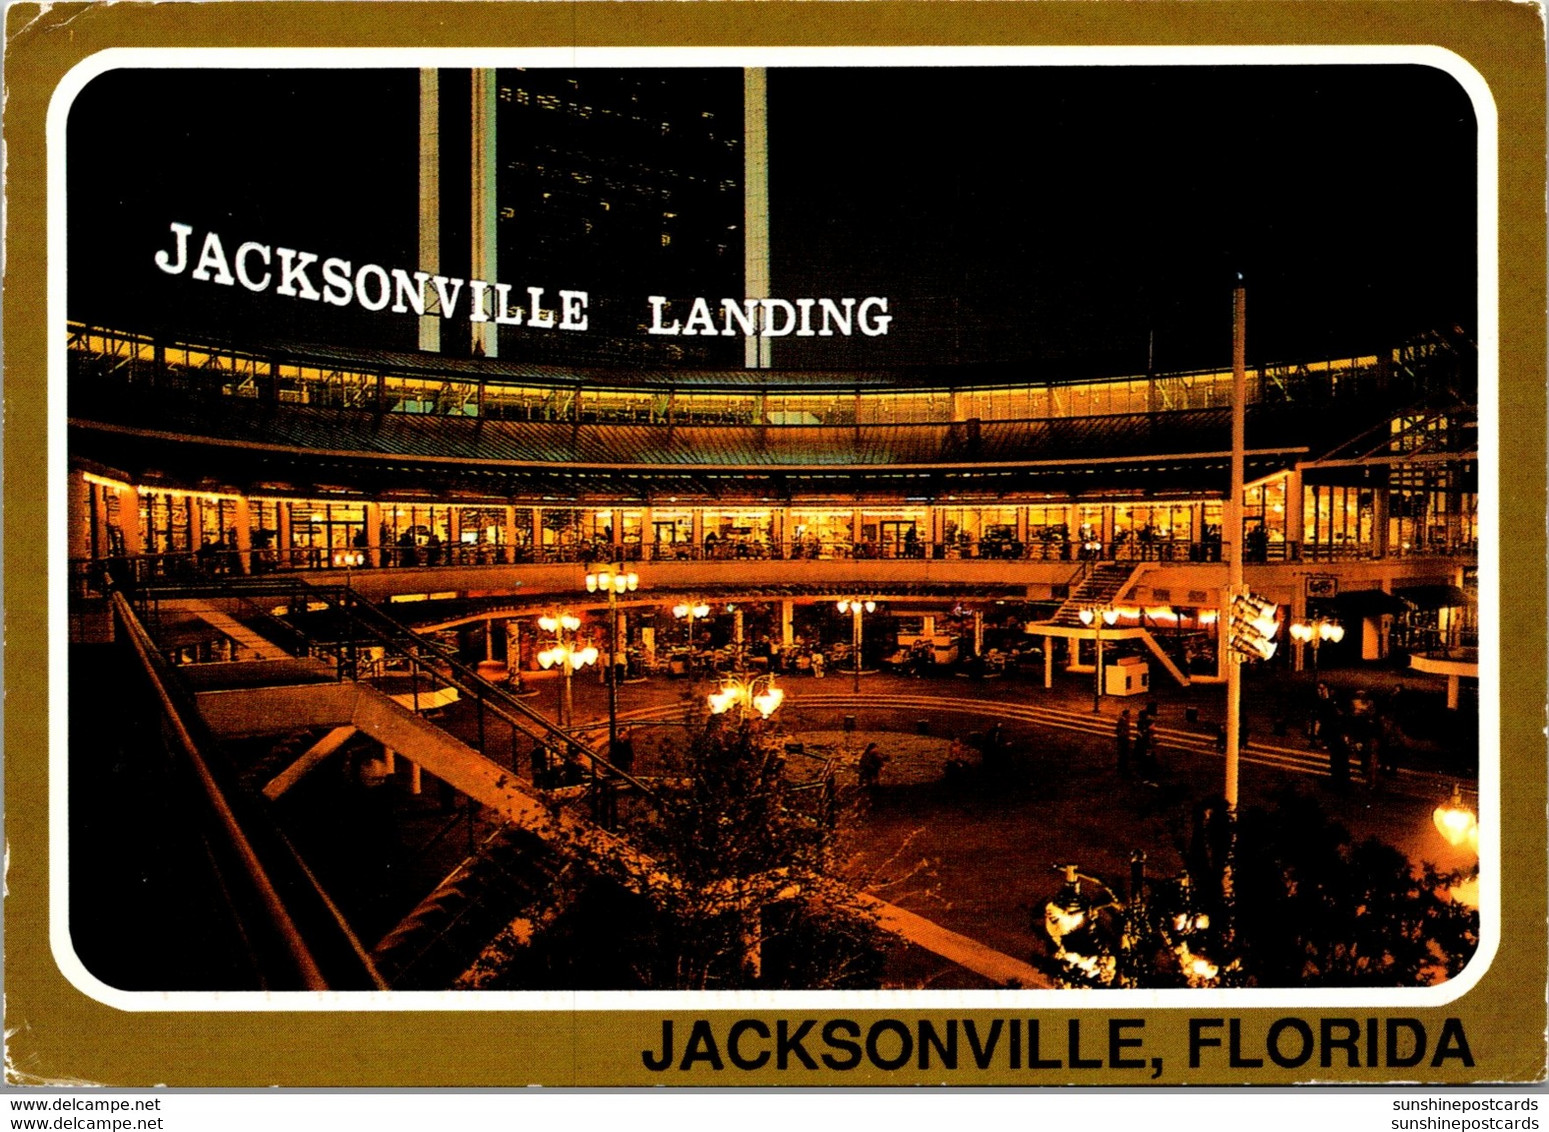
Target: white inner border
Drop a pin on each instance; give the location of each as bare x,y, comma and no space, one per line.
828,1001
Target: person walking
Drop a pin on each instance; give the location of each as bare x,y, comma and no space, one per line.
870,768
1338,760
1145,753
1121,739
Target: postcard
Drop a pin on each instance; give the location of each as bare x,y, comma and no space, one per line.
816,545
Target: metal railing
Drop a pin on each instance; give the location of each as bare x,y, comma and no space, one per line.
298,940
360,627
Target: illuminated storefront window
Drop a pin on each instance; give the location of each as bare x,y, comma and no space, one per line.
415,535
1337,521
481,535
738,534
821,532
317,530
1263,521
672,533
895,534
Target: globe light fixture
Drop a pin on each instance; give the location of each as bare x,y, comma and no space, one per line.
1315,632
565,653
1095,617
855,606
1456,822
744,693
612,581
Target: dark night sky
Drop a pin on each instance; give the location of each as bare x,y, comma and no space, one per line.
1051,217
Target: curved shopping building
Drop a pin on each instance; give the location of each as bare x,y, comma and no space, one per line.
479,480
350,693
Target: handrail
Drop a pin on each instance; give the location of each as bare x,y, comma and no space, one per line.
405,642
295,945
356,970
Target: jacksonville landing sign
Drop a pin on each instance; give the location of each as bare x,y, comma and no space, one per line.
338,282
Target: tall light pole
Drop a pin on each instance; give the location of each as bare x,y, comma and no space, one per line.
1098,616
691,611
855,606
564,653
1315,632
613,582
349,559
1232,545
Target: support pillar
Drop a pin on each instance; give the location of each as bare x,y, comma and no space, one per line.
282,535
647,535
82,498
244,529
787,623
130,523
758,350
1380,502
195,522
508,523
1048,662
483,215
389,759
416,785
1295,526
430,201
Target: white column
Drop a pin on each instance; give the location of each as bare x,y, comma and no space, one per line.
483,215
755,208
430,199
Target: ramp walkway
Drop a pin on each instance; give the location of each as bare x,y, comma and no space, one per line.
229,626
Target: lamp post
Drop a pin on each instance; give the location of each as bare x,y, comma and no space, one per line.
349,559
563,652
1315,632
1098,616
691,610
613,582
855,606
743,692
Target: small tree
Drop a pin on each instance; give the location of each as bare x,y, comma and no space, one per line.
742,899
751,905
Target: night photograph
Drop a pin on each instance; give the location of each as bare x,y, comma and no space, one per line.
791,528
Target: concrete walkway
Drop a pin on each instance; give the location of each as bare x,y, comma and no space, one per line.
231,627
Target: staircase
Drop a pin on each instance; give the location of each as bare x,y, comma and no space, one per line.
1100,587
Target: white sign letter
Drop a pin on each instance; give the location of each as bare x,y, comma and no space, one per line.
180,233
